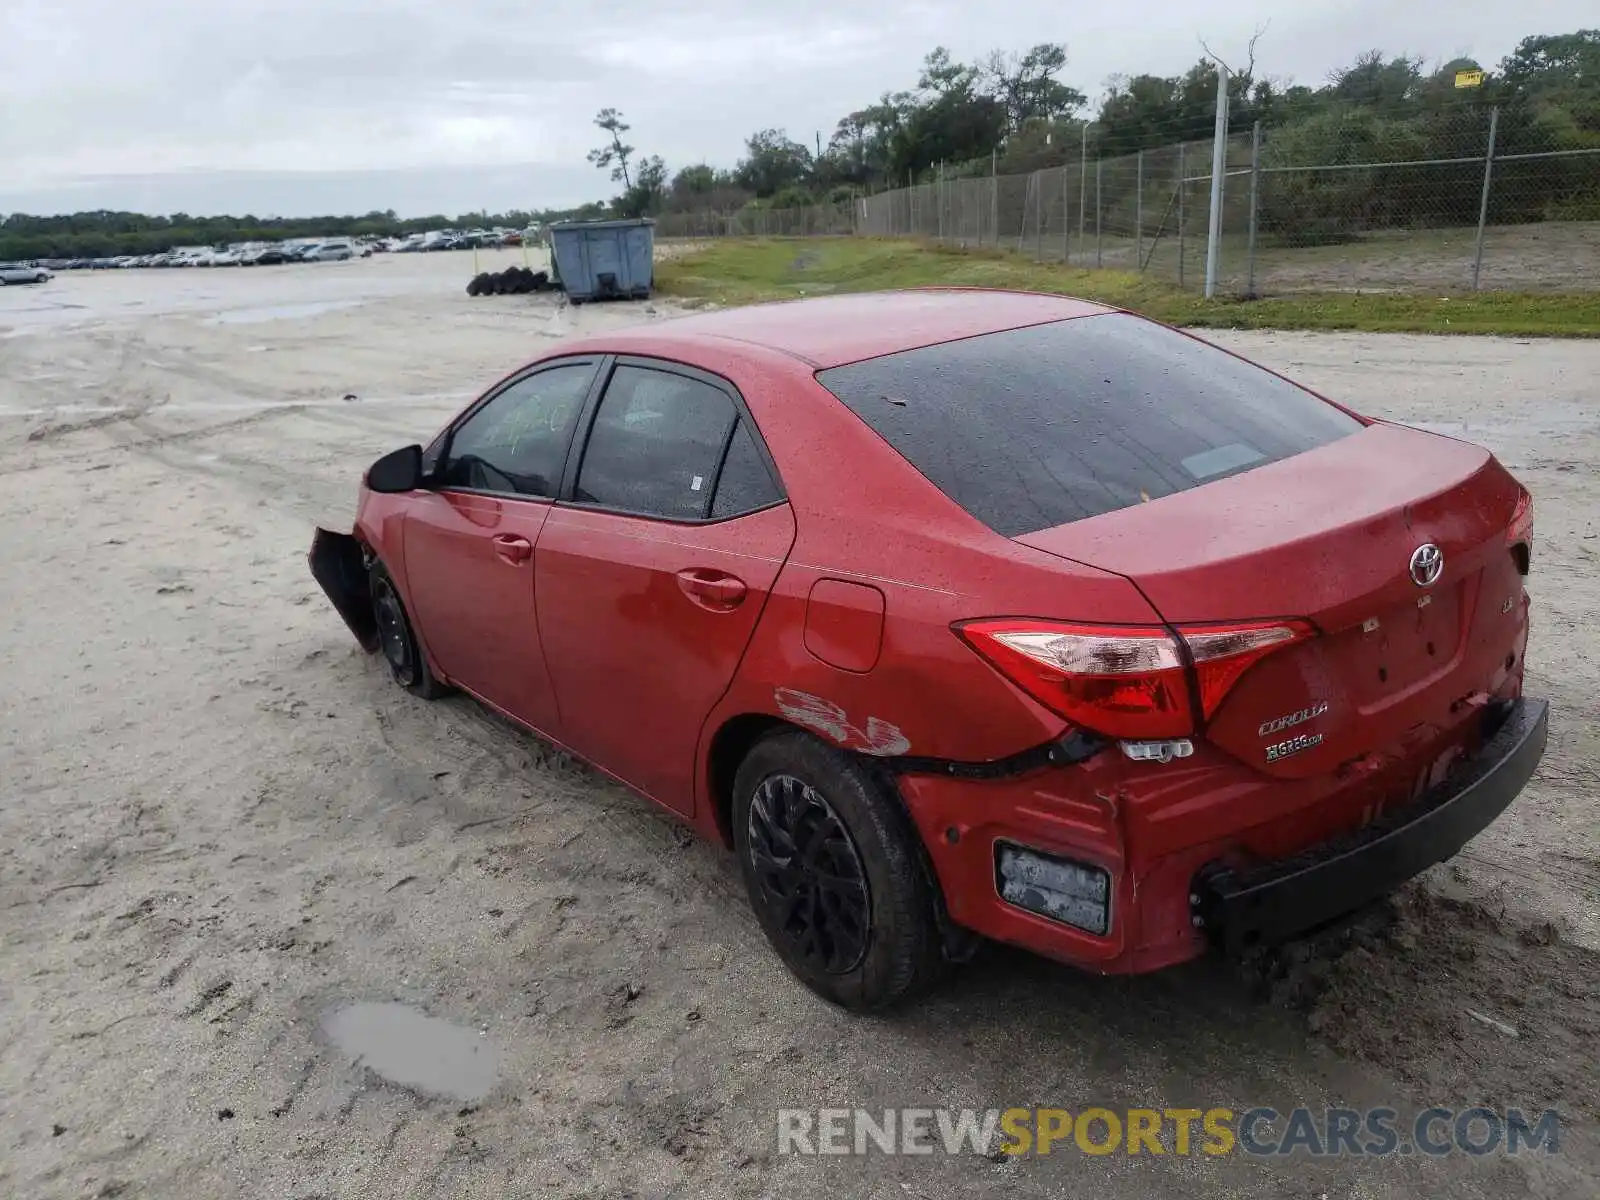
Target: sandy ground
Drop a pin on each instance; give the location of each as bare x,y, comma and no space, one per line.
221,826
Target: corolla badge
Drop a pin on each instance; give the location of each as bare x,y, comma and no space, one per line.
1427,564
1288,721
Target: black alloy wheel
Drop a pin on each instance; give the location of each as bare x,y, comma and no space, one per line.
835,872
398,640
810,874
393,636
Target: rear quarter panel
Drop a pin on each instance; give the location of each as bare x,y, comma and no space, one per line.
865,516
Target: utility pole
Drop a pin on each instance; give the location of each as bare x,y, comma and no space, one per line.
1219,167
1255,207
1083,184
1138,212
1483,200
994,194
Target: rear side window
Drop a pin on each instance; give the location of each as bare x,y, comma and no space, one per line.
745,484
657,440
1037,427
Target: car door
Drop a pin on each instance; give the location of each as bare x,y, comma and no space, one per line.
469,539
651,577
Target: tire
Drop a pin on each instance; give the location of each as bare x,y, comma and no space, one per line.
877,942
397,640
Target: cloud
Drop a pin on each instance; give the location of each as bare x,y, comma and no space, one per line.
100,90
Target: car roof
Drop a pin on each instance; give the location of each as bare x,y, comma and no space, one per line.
833,330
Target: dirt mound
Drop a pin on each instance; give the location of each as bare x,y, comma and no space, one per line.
1442,985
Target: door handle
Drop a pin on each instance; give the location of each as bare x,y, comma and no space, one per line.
513,549
715,590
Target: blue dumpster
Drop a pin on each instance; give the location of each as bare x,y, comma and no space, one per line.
600,260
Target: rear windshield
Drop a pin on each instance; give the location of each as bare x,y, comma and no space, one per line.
1037,427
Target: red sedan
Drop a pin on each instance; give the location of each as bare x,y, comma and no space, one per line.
964,614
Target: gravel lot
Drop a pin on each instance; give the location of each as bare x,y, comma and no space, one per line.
221,825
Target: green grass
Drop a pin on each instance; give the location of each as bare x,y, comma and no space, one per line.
744,271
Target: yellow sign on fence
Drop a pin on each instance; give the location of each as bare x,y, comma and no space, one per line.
1466,79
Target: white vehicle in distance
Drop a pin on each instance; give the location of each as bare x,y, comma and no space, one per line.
23,273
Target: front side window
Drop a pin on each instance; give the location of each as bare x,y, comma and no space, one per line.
517,442
657,441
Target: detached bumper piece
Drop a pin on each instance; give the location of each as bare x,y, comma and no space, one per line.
1276,902
339,565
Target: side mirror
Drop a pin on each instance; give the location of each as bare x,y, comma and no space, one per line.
398,471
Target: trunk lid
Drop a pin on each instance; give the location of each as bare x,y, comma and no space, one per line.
1328,536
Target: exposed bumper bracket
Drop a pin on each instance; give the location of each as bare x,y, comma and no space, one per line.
339,565
1278,901
1075,747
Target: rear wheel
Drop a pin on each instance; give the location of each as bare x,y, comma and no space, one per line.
831,866
398,640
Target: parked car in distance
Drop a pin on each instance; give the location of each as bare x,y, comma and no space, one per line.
961,614
11,273
332,252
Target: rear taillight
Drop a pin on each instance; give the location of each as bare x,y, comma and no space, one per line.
1519,534
1127,681
1223,653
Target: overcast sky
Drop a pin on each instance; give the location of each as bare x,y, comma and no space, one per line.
294,107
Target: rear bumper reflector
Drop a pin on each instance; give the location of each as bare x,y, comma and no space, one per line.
1074,893
1276,902
1162,752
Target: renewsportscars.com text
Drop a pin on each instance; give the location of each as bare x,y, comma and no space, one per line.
1178,1132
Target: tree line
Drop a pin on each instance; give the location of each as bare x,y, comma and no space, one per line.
1012,114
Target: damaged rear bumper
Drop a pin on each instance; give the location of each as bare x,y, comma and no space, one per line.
1261,906
339,564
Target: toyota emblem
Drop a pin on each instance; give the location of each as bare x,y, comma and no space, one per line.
1427,564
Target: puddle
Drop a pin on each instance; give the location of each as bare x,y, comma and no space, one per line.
416,1051
280,312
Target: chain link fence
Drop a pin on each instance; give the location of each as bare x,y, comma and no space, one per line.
817,220
1346,201
1384,214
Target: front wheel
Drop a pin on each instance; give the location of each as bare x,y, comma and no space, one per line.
398,640
831,866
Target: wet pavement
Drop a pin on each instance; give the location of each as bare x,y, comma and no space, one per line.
239,295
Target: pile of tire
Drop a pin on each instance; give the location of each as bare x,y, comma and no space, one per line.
513,281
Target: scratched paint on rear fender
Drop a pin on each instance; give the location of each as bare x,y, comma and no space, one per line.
827,718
